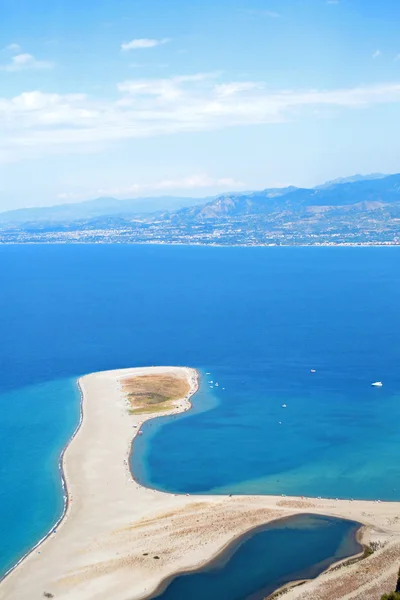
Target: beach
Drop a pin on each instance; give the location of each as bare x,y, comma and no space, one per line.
120,540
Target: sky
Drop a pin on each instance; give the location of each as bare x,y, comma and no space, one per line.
135,98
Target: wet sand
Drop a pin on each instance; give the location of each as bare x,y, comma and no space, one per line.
120,540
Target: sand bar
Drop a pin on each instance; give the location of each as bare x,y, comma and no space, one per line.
114,528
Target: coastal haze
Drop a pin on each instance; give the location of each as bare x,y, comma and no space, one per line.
354,210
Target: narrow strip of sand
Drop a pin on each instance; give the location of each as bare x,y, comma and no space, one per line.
119,540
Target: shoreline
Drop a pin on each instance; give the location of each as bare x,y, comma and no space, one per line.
146,509
187,405
64,485
203,245
341,563
194,386
229,550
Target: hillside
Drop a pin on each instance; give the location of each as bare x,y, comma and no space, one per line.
359,195
352,211
99,207
351,179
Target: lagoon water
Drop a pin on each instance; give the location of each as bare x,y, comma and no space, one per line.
269,558
257,319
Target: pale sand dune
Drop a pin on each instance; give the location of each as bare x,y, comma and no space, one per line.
105,546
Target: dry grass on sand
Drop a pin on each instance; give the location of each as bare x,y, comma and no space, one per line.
106,545
154,393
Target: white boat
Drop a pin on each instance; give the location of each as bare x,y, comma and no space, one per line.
217,384
208,373
313,371
377,384
283,405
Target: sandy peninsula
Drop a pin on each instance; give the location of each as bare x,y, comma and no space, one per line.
120,540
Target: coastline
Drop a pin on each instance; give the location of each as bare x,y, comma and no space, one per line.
230,548
64,481
64,485
343,562
103,528
202,244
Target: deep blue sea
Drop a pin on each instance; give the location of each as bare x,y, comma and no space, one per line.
256,319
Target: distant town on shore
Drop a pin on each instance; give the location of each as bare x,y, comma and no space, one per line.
359,210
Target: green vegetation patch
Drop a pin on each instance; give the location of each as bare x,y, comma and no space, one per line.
163,406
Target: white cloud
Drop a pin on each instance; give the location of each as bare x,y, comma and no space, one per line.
151,107
194,182
23,61
142,43
269,13
235,87
261,13
377,54
198,181
13,47
167,89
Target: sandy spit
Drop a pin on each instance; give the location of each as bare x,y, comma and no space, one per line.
113,528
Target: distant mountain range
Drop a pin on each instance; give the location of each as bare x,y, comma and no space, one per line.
100,207
351,179
359,193
358,209
229,204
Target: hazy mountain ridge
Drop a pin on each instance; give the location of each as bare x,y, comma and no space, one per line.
364,194
231,203
109,207
99,207
237,204
357,211
351,179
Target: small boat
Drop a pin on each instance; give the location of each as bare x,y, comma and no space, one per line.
284,406
313,371
377,384
217,384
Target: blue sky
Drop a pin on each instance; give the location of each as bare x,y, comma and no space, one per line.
133,98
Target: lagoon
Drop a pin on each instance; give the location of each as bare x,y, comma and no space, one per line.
268,558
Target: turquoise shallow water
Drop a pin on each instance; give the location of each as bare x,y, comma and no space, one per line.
257,319
268,559
321,444
39,421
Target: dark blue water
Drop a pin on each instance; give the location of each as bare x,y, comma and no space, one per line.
266,560
258,319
